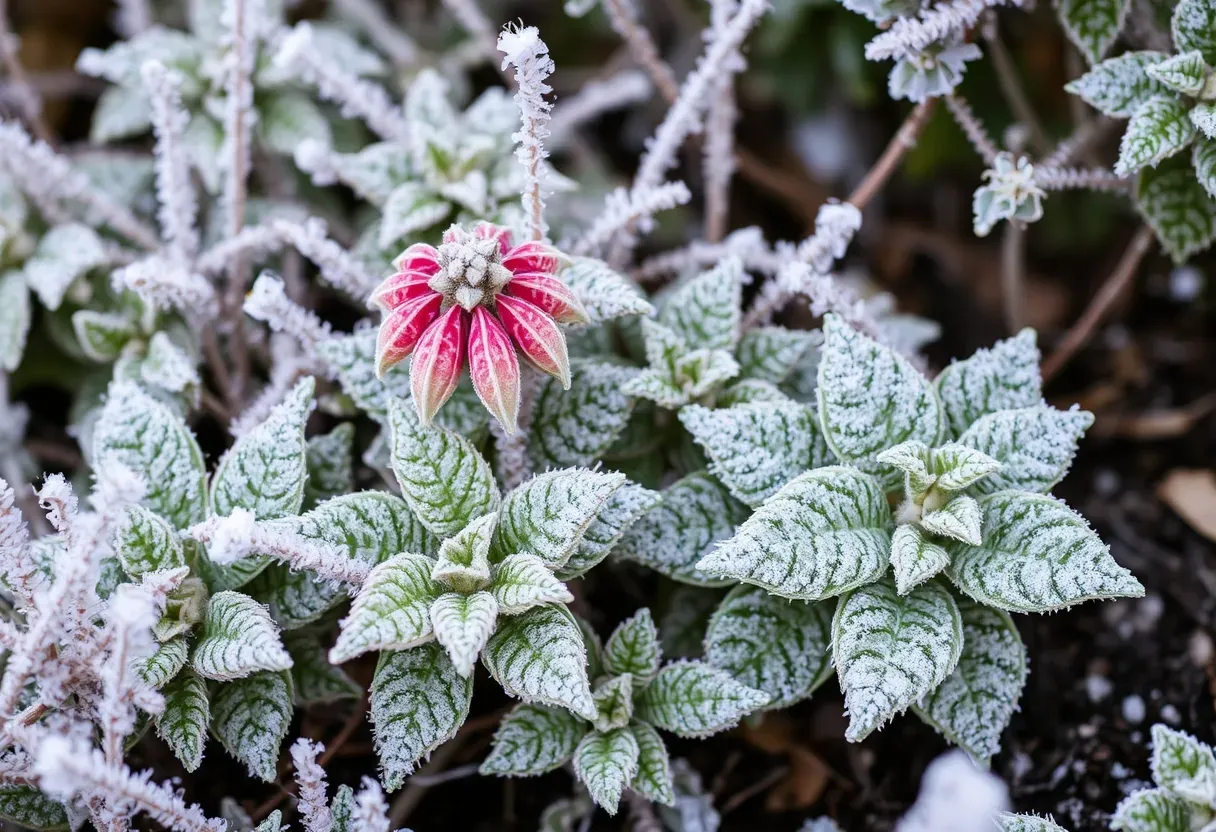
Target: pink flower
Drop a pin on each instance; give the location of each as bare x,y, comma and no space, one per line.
479,297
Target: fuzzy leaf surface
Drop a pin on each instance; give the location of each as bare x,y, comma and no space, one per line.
1119,86
1194,28
183,724
605,293
695,699
392,609
314,680
1009,822
1004,377
653,780
770,353
1152,810
915,557
353,359
618,515
330,465
548,514
606,762
540,657
706,310
1093,25
573,428
145,542
463,624
1177,207
533,739
165,663
1158,130
1035,446
522,582
239,638
634,648
250,718
1184,765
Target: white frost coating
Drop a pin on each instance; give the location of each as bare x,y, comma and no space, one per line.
628,213
464,559
692,515
230,539
178,206
63,254
267,301
605,293
231,536
1004,377
313,803
529,55
1184,765
1009,822
958,519
871,398
1038,555
167,366
955,796
771,353
823,534
1035,446
573,428
463,624
915,558
540,657
533,739
960,466
756,448
614,703
391,611
617,516
891,650
633,648
370,812
1118,86
183,724
705,311
1153,809
239,638
972,707
548,514
522,582
606,763
250,717
694,699
653,780
418,702
167,284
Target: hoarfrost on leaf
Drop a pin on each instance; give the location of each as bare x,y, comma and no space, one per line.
1093,25
1004,377
1184,765
1184,73
573,428
1035,446
522,582
64,254
548,514
539,656
604,293
146,543
958,519
614,703
770,353
607,762
1119,86
915,558
463,624
1177,207
314,680
705,312
464,559
695,699
633,648
1193,26
238,638
626,505
1152,810
1160,128
183,723
534,739
1009,822
250,718
653,780
392,609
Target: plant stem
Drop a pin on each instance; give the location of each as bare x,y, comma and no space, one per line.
1013,272
903,141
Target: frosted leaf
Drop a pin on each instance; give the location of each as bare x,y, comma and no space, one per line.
1035,446
1093,25
286,119
683,378
771,353
463,624
565,814
614,703
548,514
533,739
168,660
749,390
1009,822
1152,810
1184,765
540,657
266,469
1119,86
823,534
239,638
102,335
314,680
1001,378
1203,116
915,459
693,810
464,559
606,763
369,526
871,398
137,431
891,650
772,644
418,702
754,449
391,611
653,780
1194,27
372,173
573,428
605,294
915,558
168,366
330,463
63,255
1184,73
1038,555
522,582
633,649
692,515
656,386
146,543
961,466
626,505
972,707
1160,128
183,723
706,310
694,699
411,207
250,718
29,807
444,479
958,519
15,317
595,648
353,359
1177,207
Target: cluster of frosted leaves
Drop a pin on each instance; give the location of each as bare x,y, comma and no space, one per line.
618,746
1184,771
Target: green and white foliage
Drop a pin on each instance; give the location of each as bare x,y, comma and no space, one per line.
1005,377
30,808
576,427
238,638
1093,25
616,746
184,722
1184,771
1010,822
250,718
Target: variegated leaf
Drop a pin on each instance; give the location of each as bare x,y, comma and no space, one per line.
1118,87
168,660
606,763
1194,28
539,656
695,699
915,558
183,723
1004,377
464,559
575,427
522,582
353,359
958,520
548,514
1009,822
1035,446
613,703
605,293
15,316
1152,810
239,638
1183,765
146,543
31,809
1160,128
392,609
633,648
626,505
653,780
463,624
250,718
1177,207
315,681
330,465
1093,25
770,353
706,310
533,739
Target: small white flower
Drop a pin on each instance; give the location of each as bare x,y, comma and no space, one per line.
1009,193
934,71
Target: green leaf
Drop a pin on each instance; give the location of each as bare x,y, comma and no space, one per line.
266,469
250,718
756,448
239,638
633,648
1203,116
957,520
522,582
1184,765
418,702
169,367
822,535
1002,378
548,514
1194,27
694,699
330,465
391,611
606,763
1118,87
614,703
706,311
533,739
891,650
102,335
139,432
183,723
1158,130
411,207
28,807
770,353
315,681
1184,73
287,118
168,660
1152,810
540,657
1093,25
573,428
626,505
972,707
772,644
353,359
959,466
915,558
1035,446
653,780
871,398
464,559
15,318
146,543
444,479
1178,208
63,255
605,293
1038,555
1009,822
463,624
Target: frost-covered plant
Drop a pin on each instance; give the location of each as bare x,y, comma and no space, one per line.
1184,800
635,694
1009,193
